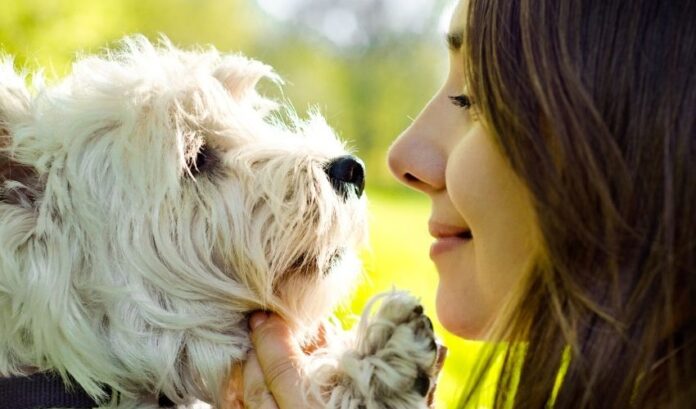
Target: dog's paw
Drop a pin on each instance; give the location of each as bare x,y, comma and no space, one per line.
398,354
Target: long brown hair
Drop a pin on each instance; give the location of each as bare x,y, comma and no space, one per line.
594,104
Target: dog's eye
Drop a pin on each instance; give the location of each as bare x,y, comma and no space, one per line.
204,160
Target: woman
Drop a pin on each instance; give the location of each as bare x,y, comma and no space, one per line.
559,157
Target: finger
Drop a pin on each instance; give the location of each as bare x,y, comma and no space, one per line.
256,393
279,357
232,396
437,368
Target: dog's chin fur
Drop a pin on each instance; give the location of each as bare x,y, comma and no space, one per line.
122,262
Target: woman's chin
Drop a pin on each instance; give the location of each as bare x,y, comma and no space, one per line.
459,317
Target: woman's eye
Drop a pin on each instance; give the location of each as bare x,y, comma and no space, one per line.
462,101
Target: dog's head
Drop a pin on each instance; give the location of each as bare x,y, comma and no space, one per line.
153,198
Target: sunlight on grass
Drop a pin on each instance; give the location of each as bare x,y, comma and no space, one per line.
398,258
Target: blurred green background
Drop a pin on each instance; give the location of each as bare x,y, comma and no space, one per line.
368,65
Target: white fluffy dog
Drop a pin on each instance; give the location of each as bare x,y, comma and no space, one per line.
150,201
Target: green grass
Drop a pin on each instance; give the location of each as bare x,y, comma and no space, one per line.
398,258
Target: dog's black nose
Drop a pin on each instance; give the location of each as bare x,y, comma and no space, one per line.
346,173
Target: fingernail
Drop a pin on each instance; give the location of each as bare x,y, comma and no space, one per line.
257,319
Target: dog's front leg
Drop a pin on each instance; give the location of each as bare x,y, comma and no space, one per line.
390,361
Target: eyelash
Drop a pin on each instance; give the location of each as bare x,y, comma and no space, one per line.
462,101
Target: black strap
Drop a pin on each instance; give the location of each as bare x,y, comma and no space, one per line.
47,390
42,390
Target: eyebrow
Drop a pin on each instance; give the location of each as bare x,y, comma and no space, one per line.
455,40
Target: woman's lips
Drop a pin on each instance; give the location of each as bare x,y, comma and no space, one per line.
447,237
444,245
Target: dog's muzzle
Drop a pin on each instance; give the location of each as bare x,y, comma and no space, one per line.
346,173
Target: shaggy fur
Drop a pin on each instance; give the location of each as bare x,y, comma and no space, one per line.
151,200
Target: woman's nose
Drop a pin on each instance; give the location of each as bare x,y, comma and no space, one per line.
416,159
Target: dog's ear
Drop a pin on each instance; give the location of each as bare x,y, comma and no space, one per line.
18,182
14,96
240,75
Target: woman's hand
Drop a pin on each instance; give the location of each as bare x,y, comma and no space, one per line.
273,375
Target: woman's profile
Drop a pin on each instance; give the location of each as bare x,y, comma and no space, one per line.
559,157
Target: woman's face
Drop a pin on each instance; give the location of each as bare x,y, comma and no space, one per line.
482,219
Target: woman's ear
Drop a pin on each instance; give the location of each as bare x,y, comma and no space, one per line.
19,183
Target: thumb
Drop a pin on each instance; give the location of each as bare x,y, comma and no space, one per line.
279,357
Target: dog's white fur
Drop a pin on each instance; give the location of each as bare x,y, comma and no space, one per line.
124,265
